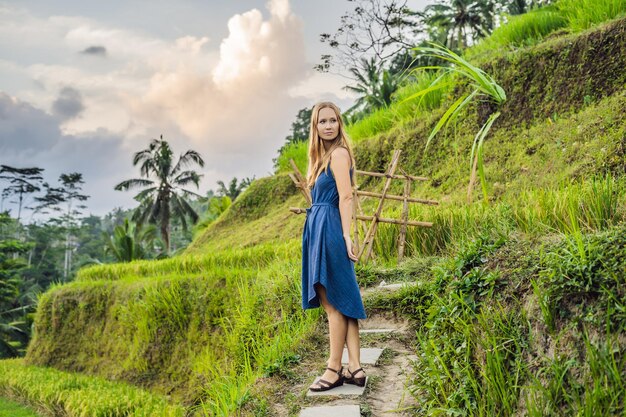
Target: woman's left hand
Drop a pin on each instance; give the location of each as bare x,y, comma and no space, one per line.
350,249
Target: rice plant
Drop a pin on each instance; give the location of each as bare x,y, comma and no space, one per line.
483,85
380,120
593,387
520,30
421,94
570,208
254,257
61,393
582,14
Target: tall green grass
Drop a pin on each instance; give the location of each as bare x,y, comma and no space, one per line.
254,257
298,152
471,359
414,99
587,205
418,96
484,345
55,392
582,14
378,121
521,30
254,342
563,386
530,28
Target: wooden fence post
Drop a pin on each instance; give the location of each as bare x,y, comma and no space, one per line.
368,241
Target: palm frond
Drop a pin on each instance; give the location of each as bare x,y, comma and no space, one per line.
186,159
145,193
133,183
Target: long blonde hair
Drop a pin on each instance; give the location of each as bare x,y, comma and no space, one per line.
318,157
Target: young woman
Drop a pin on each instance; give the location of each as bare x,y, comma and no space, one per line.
327,255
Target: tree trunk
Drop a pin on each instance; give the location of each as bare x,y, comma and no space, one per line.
67,264
165,226
19,208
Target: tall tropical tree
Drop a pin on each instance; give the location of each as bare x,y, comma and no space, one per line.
514,7
23,181
460,20
69,193
374,86
163,180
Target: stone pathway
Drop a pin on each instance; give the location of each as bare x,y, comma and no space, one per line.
332,411
387,396
369,356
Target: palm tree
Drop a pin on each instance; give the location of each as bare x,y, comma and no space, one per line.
374,85
233,190
515,7
163,195
458,19
127,242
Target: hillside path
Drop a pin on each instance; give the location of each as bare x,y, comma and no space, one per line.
387,360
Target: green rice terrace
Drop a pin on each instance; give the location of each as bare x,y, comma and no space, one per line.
511,305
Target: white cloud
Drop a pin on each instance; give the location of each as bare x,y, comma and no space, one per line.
240,105
191,43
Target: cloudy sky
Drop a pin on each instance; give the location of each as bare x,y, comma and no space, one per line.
85,84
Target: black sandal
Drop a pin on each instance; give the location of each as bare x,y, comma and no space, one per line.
325,385
360,382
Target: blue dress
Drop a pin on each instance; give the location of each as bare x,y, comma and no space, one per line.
325,258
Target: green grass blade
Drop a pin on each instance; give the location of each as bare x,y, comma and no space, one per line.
446,116
426,91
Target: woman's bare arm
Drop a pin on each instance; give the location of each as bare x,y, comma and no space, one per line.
340,164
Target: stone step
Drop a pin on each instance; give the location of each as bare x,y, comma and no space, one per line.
368,331
382,323
332,411
394,286
369,356
344,390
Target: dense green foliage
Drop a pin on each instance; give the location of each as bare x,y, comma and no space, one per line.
13,327
504,315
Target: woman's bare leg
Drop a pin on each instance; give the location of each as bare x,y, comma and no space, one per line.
354,347
337,327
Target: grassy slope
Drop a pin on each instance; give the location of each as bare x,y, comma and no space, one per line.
13,409
119,321
174,332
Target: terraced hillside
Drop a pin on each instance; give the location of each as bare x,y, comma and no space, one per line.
516,304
